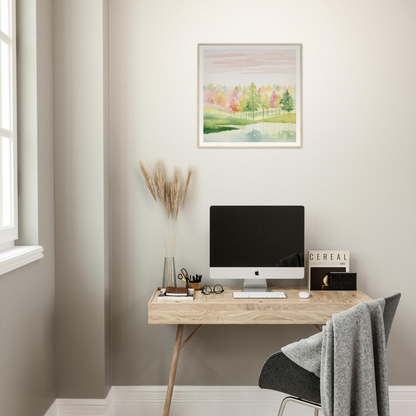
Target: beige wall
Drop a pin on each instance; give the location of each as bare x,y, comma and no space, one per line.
82,198
355,174
27,295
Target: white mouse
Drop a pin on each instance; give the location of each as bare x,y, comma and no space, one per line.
304,295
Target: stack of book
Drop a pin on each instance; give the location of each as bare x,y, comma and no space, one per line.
176,293
322,263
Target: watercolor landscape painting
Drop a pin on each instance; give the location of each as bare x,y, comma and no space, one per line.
249,96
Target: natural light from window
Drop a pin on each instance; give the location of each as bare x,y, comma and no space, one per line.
8,226
12,256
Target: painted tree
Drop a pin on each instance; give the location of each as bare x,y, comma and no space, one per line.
243,104
247,100
290,106
242,96
208,98
287,102
254,99
233,96
273,100
278,105
265,103
222,100
216,97
234,106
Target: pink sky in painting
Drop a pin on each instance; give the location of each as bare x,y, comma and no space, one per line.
261,66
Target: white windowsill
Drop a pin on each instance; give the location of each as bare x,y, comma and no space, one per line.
18,256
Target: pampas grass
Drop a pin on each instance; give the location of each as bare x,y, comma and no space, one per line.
186,183
168,209
166,200
174,193
160,180
148,179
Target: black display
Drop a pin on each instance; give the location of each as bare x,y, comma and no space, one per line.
257,236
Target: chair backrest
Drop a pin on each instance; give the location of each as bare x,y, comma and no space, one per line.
389,312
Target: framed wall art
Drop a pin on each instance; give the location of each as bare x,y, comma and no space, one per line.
249,95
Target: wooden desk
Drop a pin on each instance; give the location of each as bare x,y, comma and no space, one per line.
223,309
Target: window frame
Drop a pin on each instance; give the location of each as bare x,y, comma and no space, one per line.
14,256
9,233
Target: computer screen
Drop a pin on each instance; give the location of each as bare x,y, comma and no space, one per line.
256,241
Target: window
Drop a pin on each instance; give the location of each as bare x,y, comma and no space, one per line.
11,256
8,147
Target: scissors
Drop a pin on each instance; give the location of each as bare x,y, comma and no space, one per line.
183,275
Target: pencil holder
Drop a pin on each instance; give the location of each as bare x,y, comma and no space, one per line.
195,286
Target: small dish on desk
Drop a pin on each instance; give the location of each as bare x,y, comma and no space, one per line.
304,295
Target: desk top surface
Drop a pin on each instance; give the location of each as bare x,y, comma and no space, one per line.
218,309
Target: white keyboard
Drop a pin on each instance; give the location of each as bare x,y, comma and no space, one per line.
259,295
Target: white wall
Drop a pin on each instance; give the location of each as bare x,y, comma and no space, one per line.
355,174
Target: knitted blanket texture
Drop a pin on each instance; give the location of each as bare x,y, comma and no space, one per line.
349,356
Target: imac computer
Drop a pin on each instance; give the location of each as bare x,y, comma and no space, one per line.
256,242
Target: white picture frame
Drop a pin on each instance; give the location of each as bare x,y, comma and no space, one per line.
249,95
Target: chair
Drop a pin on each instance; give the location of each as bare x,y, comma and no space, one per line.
281,374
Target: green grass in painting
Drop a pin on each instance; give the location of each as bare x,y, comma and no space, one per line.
288,118
208,109
217,129
227,120
215,123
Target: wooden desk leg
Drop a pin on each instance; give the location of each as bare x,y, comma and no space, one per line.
173,368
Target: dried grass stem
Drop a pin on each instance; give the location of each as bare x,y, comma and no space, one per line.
170,198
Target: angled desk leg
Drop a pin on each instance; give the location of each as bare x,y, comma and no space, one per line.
173,368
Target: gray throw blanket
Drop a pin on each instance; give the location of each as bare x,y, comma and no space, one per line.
350,358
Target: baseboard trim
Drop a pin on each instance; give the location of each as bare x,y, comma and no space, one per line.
194,394
402,394
84,407
53,410
203,400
